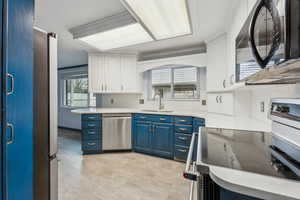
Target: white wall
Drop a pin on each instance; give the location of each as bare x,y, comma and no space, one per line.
66,118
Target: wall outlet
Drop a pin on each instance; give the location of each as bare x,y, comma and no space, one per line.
112,101
203,102
262,106
141,101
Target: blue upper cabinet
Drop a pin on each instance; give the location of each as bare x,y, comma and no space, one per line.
142,132
162,139
18,101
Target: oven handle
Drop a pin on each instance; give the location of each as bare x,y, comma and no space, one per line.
189,173
193,184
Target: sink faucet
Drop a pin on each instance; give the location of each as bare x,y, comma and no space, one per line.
160,106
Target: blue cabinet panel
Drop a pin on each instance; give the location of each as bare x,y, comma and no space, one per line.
91,145
198,123
162,118
91,117
181,153
91,124
184,120
182,139
142,117
188,129
18,61
91,134
162,139
142,136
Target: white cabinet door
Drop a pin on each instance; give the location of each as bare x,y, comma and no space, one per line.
96,73
227,103
113,73
213,104
129,74
216,63
221,103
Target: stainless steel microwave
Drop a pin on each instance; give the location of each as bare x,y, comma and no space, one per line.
269,37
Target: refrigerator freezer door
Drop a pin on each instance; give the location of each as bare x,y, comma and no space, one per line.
53,94
54,179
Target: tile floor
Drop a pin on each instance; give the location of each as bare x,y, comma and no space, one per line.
116,176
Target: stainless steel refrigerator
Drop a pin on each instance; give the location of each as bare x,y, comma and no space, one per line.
45,116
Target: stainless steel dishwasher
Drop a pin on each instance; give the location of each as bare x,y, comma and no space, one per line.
116,132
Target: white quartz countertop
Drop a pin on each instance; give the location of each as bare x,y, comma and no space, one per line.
256,185
132,110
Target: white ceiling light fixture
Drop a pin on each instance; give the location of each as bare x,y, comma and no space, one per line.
113,32
162,18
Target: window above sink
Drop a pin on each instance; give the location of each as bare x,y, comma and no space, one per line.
175,82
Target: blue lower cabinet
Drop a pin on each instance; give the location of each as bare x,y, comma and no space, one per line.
164,136
162,139
181,153
141,141
91,133
89,146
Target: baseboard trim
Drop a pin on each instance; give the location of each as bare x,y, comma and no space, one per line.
68,128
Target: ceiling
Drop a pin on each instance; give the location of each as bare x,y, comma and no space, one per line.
209,17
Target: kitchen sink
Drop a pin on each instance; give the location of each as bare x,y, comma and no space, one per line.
161,111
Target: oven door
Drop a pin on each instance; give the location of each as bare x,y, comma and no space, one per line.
267,32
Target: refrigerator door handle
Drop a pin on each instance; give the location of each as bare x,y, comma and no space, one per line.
12,133
12,85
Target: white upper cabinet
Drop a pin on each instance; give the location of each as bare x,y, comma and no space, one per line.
161,76
185,75
129,74
113,73
217,63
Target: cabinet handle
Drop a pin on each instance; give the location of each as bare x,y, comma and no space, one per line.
91,117
92,132
182,120
12,80
91,125
91,143
220,99
182,150
12,133
182,129
162,119
217,99
182,138
224,83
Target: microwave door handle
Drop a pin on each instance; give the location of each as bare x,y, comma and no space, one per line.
276,38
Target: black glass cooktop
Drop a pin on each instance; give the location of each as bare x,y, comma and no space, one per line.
243,150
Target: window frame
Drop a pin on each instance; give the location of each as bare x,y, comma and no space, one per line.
64,96
150,95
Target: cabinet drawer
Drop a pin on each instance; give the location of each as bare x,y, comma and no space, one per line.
184,120
91,134
91,124
183,139
91,145
91,117
184,129
141,117
162,118
181,153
